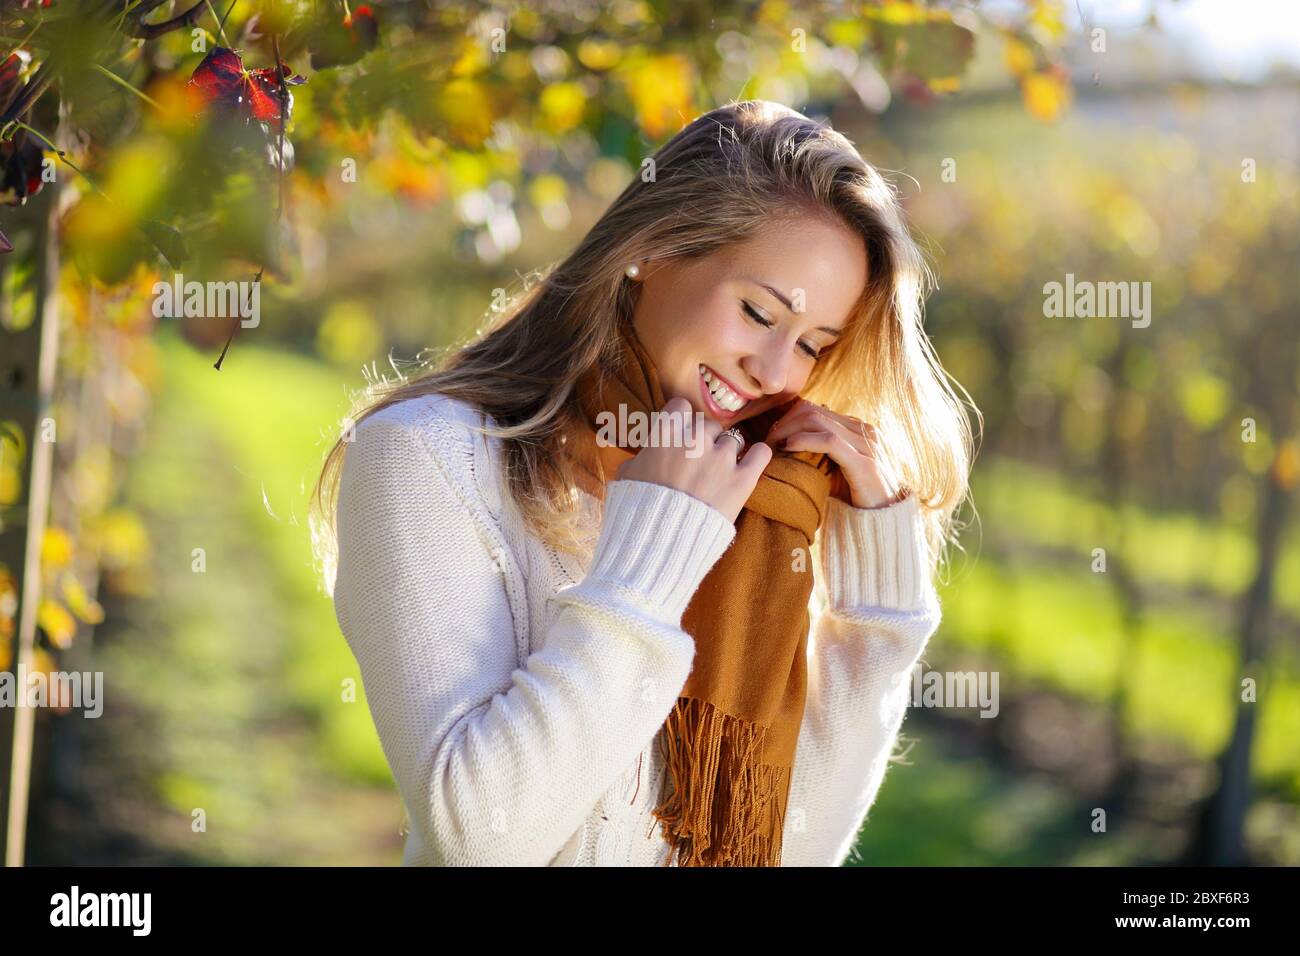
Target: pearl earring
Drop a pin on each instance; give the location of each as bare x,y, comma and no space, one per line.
633,271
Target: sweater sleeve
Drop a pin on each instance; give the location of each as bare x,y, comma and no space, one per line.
499,760
880,609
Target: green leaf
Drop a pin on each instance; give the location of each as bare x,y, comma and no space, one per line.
167,240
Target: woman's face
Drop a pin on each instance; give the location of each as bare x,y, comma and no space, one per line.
703,320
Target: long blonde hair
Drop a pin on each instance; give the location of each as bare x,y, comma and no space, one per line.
728,174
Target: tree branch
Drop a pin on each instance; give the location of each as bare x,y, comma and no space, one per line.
30,93
151,31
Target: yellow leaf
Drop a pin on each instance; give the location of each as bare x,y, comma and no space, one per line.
465,105
851,32
1204,399
137,175
473,58
59,626
897,11
80,603
1046,94
177,103
11,484
1017,56
1047,19
8,588
1286,466
8,608
56,548
546,189
43,661
562,106
660,88
121,539
526,22
596,54
94,219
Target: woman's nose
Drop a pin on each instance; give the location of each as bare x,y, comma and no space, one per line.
770,369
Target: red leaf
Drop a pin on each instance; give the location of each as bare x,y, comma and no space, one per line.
364,27
9,71
227,85
336,42
21,162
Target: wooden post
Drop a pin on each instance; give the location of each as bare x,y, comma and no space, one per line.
27,369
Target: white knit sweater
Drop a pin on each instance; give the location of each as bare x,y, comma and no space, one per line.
517,691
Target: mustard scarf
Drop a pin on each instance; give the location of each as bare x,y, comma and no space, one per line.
729,743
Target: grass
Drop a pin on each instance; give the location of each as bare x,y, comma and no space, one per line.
232,729
1060,625
273,410
1020,503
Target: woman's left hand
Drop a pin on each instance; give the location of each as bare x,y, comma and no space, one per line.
865,478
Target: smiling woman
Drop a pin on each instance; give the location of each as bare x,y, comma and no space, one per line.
749,345
530,652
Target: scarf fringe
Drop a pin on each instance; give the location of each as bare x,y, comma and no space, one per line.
712,759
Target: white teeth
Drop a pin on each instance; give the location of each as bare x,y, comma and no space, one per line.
724,396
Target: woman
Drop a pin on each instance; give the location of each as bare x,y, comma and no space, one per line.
585,650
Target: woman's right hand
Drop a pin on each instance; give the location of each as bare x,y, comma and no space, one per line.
715,476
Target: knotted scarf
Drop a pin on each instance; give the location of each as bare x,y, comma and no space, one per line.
729,743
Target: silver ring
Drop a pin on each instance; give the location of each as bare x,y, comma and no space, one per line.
736,434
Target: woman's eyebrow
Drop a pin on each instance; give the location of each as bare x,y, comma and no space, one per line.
780,296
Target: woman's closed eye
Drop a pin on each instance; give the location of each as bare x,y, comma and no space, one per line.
767,324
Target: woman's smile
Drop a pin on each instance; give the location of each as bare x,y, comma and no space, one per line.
724,401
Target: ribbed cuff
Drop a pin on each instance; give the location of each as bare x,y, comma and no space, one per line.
874,557
659,542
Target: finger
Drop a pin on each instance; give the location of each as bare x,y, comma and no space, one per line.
849,435
816,436
726,441
842,419
790,424
804,408
709,427
864,431
797,406
681,427
678,406
859,435
851,424
824,441
819,435
757,458
668,423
